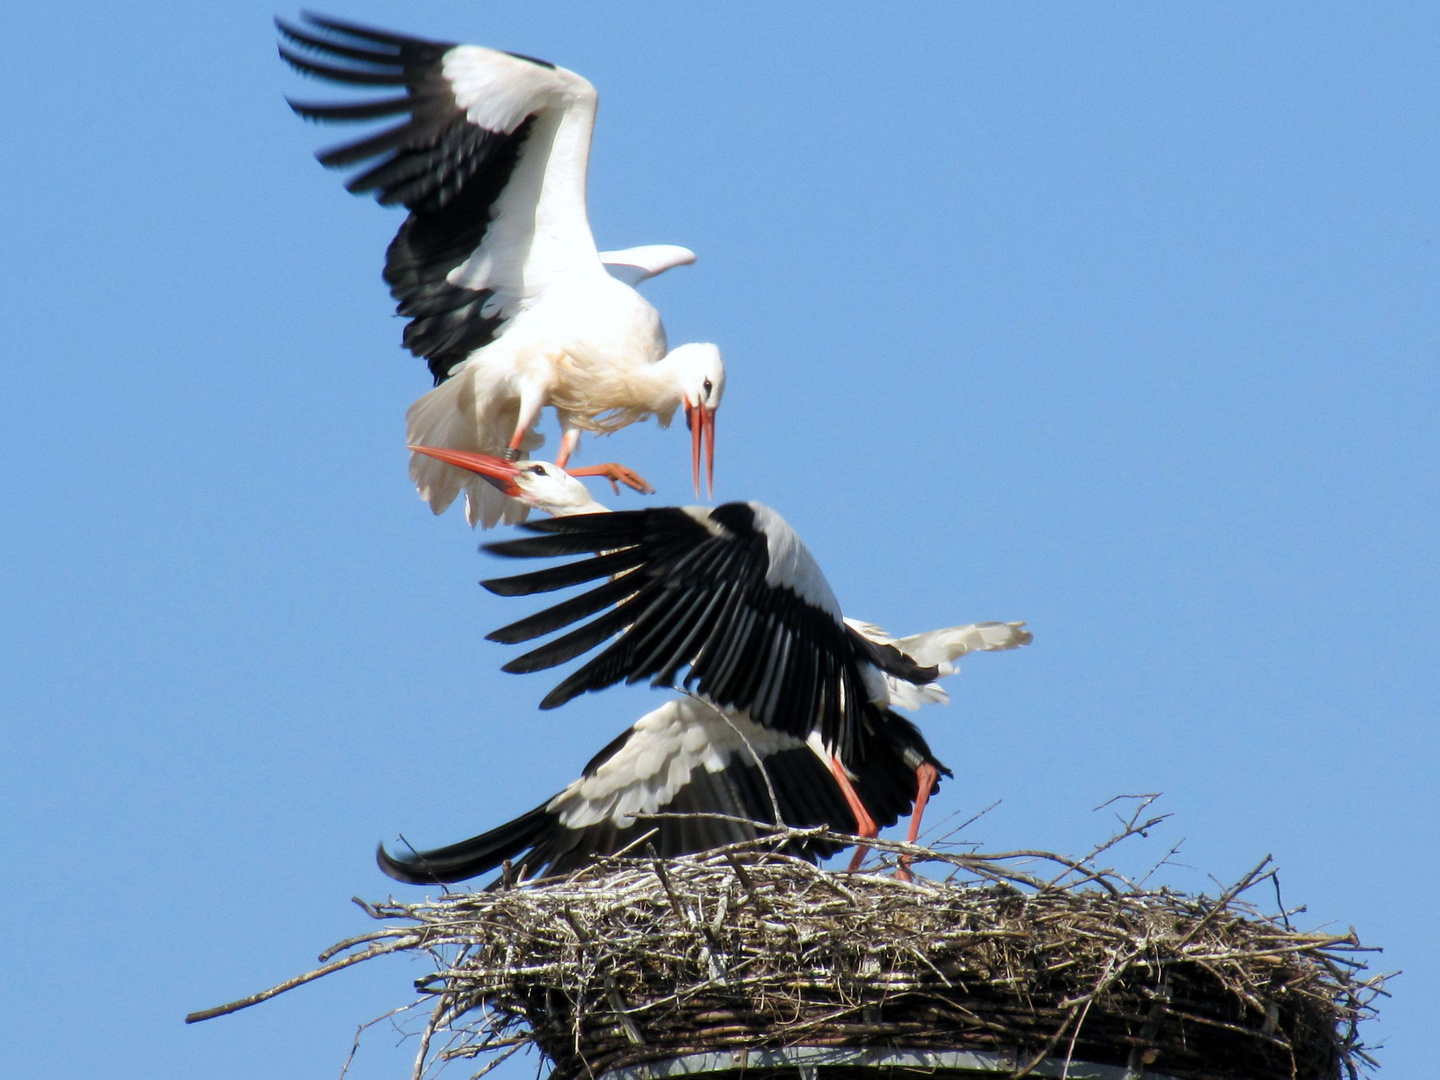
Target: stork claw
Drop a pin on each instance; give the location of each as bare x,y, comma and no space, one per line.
616,472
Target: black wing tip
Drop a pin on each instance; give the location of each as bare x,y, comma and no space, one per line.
377,74
365,33
580,523
559,696
409,871
542,525
537,660
503,586
508,547
368,57
295,60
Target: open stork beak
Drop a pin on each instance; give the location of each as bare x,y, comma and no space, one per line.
500,473
701,422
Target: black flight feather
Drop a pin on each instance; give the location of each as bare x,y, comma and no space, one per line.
563,614
447,171
562,577
367,33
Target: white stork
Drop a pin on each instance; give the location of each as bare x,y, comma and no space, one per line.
732,594
508,299
686,778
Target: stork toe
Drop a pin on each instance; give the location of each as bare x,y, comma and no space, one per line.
613,471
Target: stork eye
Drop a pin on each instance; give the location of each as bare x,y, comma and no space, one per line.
538,470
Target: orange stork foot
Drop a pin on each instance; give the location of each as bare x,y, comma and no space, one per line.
615,472
925,777
864,824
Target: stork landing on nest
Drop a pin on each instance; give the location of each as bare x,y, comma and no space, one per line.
509,301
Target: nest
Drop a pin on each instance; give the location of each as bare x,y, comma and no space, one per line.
638,959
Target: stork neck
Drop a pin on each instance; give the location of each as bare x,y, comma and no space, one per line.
590,507
660,386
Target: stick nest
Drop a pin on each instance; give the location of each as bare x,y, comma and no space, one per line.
635,959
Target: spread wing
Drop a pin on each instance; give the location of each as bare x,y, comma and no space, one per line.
496,214
684,779
730,595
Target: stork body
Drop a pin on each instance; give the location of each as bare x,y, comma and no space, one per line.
685,778
509,301
735,596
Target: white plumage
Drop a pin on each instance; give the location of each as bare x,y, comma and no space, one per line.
940,649
637,264
667,746
510,302
791,564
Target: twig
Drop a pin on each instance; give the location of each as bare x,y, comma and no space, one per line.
298,980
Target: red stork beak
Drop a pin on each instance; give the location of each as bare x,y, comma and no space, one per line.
701,422
500,473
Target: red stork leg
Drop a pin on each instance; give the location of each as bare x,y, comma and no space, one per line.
533,396
925,777
512,452
864,824
568,442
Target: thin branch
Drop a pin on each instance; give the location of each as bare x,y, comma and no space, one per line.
403,941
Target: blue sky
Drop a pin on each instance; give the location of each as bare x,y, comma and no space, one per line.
1118,319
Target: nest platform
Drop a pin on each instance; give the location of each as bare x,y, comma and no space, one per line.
749,961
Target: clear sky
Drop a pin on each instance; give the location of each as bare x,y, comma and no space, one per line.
1118,319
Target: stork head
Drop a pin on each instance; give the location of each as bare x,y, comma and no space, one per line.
700,374
538,484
